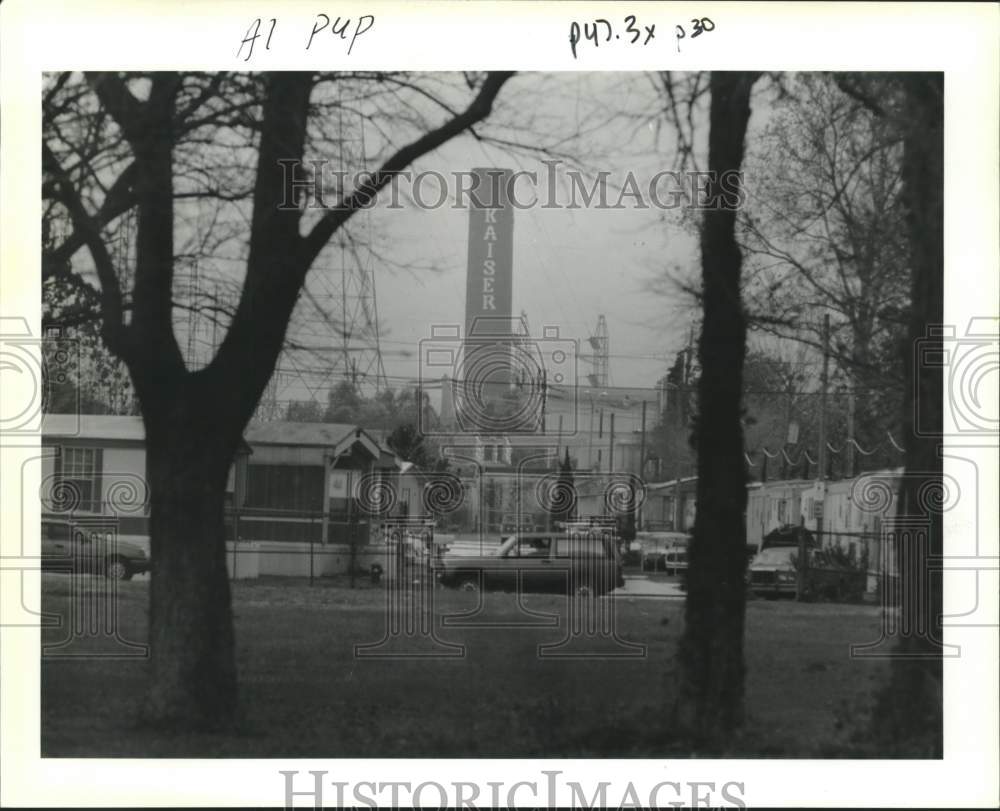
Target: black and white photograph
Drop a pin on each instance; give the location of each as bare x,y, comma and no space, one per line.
608,419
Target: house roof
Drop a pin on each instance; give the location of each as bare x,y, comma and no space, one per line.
99,427
671,483
93,426
313,434
339,437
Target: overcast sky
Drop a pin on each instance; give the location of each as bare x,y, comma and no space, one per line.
570,266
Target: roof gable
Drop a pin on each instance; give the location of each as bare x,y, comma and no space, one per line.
340,438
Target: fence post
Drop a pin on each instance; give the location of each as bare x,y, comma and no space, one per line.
312,543
352,556
803,555
236,536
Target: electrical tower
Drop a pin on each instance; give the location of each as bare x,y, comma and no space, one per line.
335,333
599,344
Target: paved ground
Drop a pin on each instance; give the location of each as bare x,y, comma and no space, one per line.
640,585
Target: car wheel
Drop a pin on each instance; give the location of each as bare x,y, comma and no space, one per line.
470,584
117,569
584,590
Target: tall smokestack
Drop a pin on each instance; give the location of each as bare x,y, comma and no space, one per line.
489,286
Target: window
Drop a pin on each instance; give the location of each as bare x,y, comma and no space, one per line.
78,480
285,487
534,547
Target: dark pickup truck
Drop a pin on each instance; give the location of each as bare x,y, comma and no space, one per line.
538,561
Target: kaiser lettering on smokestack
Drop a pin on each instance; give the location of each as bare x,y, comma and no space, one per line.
489,286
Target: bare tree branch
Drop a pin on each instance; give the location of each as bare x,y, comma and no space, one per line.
479,109
113,329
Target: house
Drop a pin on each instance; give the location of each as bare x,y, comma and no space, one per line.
670,506
853,513
94,472
306,481
293,505
774,504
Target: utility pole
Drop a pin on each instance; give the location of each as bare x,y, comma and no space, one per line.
611,444
642,459
600,435
687,378
590,436
642,442
544,380
821,473
820,490
849,462
788,428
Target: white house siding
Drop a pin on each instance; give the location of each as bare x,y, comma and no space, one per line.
250,560
772,505
124,492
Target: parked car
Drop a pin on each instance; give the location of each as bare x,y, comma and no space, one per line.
773,573
78,548
538,561
676,561
788,535
665,552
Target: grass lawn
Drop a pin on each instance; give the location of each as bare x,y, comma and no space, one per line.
305,694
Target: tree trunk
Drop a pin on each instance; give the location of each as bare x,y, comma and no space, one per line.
711,667
909,717
194,420
193,678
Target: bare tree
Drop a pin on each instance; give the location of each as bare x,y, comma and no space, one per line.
908,718
710,657
194,420
824,233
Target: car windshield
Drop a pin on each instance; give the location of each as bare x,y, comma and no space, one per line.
776,556
533,547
